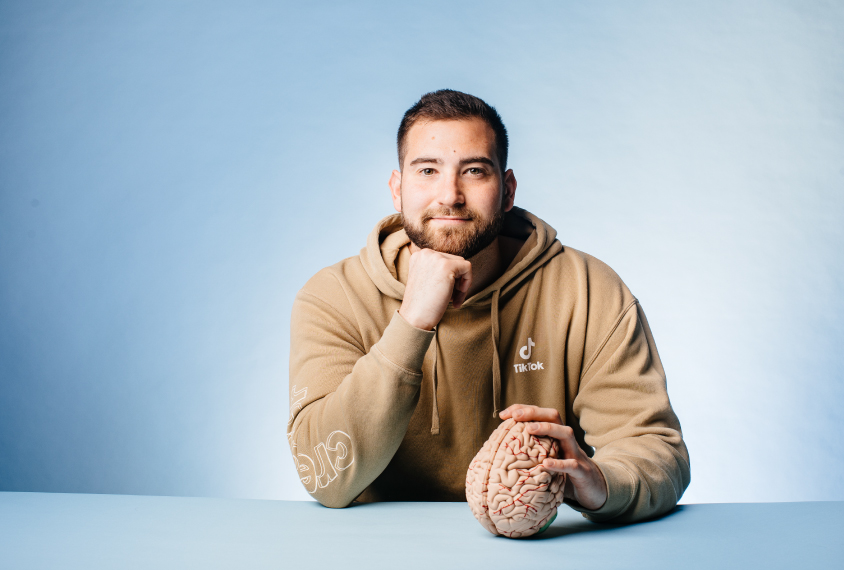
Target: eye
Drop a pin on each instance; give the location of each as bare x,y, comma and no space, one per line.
476,171
427,171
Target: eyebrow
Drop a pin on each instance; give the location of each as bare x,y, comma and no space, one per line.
470,160
482,159
425,159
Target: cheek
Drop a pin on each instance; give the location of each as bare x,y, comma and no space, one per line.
413,201
489,201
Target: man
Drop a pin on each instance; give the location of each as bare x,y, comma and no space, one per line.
462,311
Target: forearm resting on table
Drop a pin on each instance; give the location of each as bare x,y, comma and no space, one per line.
344,436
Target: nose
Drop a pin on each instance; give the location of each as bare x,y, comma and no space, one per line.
450,193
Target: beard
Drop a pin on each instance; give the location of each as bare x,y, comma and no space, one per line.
465,241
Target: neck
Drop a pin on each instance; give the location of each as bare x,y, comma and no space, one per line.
487,266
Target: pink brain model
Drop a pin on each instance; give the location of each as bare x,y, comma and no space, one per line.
508,489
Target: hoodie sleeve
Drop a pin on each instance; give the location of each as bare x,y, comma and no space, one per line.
623,408
350,407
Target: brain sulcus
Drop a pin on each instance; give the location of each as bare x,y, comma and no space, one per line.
509,491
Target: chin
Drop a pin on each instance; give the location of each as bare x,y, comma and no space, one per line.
465,241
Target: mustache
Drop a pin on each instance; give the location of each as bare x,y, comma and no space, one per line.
428,215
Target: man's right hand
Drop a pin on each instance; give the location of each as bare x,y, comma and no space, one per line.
434,279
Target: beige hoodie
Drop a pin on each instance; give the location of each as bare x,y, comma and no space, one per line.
383,411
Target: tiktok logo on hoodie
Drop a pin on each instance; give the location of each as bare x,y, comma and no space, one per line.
525,354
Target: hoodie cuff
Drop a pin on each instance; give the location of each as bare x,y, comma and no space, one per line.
405,345
620,490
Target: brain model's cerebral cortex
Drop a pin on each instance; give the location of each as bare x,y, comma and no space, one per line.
508,489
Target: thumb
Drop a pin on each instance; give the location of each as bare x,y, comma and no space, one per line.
461,289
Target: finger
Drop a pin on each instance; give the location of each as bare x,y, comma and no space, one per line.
569,445
526,413
464,267
462,281
563,434
549,429
568,466
508,412
523,411
459,295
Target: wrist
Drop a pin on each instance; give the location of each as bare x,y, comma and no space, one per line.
405,345
414,320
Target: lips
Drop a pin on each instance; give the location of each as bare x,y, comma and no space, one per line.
445,218
449,216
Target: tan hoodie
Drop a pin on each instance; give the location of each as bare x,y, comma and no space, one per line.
383,411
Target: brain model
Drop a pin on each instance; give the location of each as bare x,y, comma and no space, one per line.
508,489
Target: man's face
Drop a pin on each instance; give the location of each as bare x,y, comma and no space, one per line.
450,191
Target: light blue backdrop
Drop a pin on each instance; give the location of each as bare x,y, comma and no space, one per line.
172,173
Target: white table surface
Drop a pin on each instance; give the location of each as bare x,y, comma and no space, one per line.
39,530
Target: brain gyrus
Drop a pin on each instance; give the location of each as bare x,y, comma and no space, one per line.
508,489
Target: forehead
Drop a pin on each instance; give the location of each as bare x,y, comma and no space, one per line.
460,137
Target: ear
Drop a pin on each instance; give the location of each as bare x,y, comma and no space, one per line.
395,189
509,191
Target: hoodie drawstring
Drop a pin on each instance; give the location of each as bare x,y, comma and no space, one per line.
496,361
435,415
496,369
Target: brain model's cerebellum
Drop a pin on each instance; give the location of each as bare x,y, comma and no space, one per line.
508,489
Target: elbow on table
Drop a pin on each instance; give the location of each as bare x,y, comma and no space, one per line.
334,502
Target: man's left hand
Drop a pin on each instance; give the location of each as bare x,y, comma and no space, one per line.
585,482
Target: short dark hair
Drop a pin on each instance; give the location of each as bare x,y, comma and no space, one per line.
447,104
